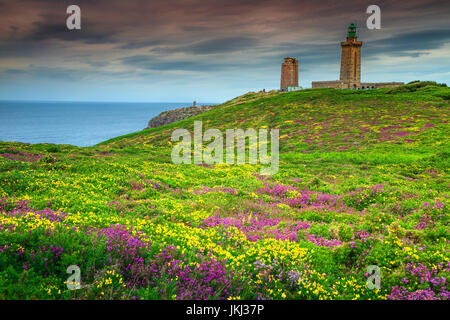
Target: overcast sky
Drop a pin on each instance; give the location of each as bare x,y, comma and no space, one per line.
208,50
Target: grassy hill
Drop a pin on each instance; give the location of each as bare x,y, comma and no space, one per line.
363,180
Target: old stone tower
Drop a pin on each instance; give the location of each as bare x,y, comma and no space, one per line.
289,73
351,59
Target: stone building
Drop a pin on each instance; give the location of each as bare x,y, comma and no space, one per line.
350,76
289,73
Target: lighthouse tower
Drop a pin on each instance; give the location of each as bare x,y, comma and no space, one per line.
350,77
351,60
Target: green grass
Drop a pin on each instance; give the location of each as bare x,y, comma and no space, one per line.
363,180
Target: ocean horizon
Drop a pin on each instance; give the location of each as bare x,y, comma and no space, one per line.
76,123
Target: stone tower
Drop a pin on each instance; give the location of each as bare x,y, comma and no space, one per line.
289,73
351,59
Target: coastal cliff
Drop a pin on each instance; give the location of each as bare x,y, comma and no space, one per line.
175,115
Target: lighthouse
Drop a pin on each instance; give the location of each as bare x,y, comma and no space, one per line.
350,77
351,59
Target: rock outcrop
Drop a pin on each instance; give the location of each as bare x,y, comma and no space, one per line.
175,115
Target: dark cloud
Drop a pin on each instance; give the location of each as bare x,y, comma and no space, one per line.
213,46
45,73
14,71
221,45
411,44
152,63
24,49
98,63
140,44
60,73
45,31
223,42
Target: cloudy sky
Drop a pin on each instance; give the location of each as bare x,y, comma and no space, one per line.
208,50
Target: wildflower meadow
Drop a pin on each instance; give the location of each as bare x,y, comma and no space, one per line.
363,181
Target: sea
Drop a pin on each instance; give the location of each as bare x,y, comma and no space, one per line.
77,123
